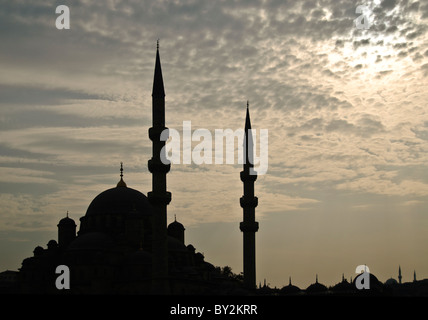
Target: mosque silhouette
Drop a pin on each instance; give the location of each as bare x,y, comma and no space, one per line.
124,245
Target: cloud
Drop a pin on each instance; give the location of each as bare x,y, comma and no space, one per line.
23,175
379,185
19,94
312,79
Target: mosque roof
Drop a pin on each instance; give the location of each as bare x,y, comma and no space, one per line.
120,200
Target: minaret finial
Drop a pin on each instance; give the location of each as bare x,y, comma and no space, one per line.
175,217
399,274
67,213
121,183
248,104
158,88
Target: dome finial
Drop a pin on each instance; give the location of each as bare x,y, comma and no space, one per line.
67,213
121,183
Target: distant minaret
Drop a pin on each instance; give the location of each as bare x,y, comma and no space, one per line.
159,197
399,274
249,202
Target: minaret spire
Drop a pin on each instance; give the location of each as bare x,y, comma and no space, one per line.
399,274
158,88
159,197
249,202
248,141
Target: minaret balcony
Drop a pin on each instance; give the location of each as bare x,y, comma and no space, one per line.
155,133
159,198
156,166
249,202
246,176
249,226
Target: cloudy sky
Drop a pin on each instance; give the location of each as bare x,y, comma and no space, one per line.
346,110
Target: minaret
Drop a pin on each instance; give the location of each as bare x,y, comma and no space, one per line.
249,202
159,197
399,275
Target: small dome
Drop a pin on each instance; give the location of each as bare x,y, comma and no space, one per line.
290,289
38,251
391,282
52,244
66,221
342,286
176,226
373,279
375,284
316,287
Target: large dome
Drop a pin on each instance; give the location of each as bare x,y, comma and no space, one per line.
119,212
119,200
